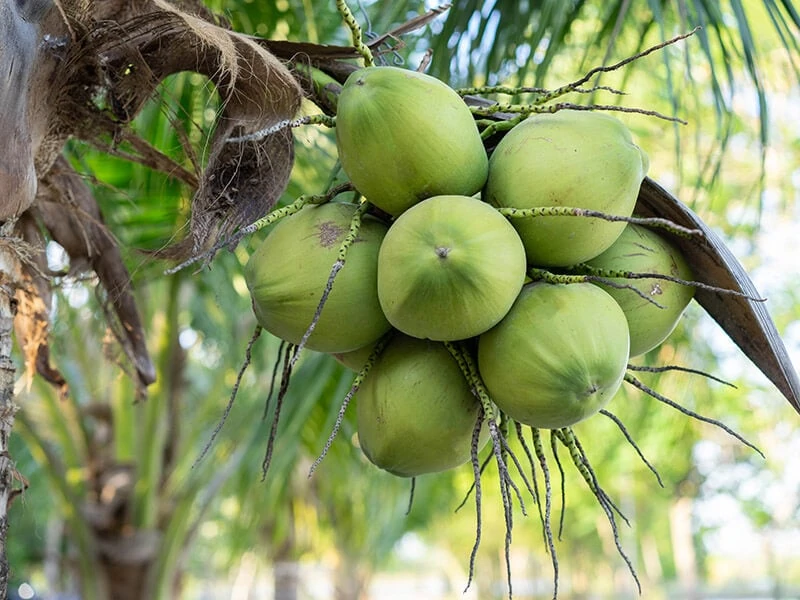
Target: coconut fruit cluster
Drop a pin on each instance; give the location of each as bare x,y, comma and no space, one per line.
449,257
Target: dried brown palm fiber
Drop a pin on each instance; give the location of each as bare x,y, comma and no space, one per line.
69,212
113,67
32,322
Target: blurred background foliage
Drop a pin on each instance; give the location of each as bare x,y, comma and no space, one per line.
724,519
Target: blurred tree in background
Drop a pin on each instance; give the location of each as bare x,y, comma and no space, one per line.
119,505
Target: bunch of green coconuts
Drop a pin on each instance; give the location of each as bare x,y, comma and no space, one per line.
454,253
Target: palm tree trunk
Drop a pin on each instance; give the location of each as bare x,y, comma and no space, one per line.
9,278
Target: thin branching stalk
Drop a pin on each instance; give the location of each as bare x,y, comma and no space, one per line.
661,398
632,442
536,438
563,480
357,381
355,31
248,355
511,212
618,274
680,368
259,135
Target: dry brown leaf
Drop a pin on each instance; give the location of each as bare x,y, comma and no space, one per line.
747,322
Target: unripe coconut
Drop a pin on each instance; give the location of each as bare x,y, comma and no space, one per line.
287,274
404,136
355,359
558,356
415,411
573,159
640,250
449,268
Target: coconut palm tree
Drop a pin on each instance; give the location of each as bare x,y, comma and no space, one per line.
78,75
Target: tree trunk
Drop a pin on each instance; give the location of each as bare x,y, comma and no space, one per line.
680,520
350,580
9,279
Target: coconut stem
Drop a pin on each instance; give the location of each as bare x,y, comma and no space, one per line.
234,392
355,31
477,471
357,381
259,135
511,212
470,372
567,437
633,443
538,449
529,109
537,91
560,467
558,278
661,398
286,377
609,273
665,368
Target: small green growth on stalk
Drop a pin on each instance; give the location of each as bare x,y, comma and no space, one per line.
355,31
500,126
411,495
661,398
357,381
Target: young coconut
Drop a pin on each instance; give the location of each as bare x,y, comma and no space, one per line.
449,269
355,359
557,357
415,411
287,274
404,136
641,250
568,159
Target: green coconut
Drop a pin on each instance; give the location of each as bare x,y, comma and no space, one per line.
641,250
404,136
355,359
415,411
449,268
572,159
288,272
559,355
